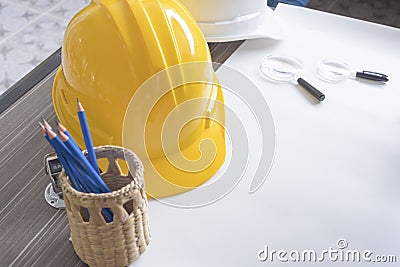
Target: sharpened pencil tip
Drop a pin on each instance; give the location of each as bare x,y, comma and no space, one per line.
63,136
79,104
61,127
43,129
46,124
57,122
50,133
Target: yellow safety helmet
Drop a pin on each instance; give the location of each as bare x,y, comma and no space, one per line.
110,49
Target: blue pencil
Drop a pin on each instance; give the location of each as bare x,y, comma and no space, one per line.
64,130
77,164
86,136
74,146
81,160
71,173
62,150
89,187
87,183
80,167
74,149
77,158
64,163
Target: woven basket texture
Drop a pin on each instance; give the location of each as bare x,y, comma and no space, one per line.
122,241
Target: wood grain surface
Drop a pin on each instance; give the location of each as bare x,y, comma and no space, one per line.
31,232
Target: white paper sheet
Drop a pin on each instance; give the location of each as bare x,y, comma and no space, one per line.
336,173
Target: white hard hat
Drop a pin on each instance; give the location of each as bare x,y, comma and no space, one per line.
230,20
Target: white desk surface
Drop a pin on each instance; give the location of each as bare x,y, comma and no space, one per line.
336,172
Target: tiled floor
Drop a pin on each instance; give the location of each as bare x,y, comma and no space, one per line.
385,12
31,30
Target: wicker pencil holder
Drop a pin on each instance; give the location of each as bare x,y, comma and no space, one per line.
123,240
